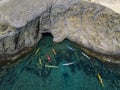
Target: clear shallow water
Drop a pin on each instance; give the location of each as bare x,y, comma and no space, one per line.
28,74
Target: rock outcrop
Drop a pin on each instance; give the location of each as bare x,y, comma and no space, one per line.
112,4
94,27
14,40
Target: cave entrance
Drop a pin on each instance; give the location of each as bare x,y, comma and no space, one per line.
46,34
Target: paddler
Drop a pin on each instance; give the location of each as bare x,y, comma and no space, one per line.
49,58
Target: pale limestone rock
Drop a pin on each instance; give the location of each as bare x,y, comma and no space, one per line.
112,4
90,25
85,22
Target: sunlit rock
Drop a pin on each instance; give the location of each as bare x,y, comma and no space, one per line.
93,24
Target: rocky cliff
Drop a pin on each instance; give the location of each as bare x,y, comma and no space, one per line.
96,28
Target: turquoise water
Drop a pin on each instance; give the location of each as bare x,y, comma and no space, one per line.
29,74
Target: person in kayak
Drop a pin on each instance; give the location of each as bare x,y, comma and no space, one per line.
49,58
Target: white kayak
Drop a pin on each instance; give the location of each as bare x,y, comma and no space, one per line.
85,55
70,48
66,64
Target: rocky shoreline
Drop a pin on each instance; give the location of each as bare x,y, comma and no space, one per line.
91,25
103,57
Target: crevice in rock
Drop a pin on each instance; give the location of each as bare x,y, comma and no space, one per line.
37,29
16,40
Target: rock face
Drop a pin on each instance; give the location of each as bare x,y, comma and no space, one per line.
93,26
13,40
112,4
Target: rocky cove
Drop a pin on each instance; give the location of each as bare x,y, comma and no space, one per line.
96,28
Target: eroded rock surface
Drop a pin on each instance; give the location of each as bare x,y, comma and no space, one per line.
91,25
112,4
13,40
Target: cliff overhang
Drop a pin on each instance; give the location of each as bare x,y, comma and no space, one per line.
94,25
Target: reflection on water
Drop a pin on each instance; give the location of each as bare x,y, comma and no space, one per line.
67,69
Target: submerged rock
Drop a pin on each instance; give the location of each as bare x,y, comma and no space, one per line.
93,26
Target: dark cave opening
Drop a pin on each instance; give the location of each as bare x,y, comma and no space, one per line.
46,34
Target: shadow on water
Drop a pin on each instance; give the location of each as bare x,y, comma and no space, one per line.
65,76
78,75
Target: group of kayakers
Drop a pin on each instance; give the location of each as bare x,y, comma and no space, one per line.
49,60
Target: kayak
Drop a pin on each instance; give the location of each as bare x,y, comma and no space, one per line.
53,50
70,48
67,64
100,79
40,61
37,51
51,66
85,55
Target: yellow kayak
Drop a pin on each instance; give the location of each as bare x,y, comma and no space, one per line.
53,50
37,51
100,79
40,61
51,66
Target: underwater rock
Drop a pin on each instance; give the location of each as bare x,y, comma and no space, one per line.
89,24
